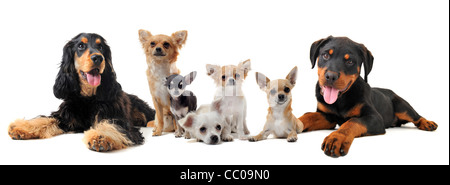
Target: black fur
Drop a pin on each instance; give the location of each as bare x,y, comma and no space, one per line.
78,113
373,109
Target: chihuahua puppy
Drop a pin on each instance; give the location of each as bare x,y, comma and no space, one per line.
280,120
181,101
229,80
207,124
161,52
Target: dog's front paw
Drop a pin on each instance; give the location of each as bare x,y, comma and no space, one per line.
292,138
100,144
337,144
178,134
157,133
19,130
227,138
253,139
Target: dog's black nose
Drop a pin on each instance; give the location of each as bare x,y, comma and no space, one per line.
158,49
281,97
231,81
214,139
97,59
331,77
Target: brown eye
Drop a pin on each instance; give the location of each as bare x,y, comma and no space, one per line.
287,90
273,91
152,44
223,78
349,62
326,56
81,46
166,45
203,130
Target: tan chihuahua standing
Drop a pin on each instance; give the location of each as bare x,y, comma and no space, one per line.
280,120
162,53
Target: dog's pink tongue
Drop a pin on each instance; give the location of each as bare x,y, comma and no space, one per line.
330,94
93,80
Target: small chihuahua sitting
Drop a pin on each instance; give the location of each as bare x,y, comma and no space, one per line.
161,53
181,101
206,124
280,120
229,80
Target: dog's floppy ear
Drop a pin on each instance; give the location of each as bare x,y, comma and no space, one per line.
180,37
190,77
67,82
367,60
188,121
315,48
262,81
292,76
109,87
144,36
245,67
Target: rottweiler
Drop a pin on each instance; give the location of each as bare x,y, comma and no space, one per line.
344,98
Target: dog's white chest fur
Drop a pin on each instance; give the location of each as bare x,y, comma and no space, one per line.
157,73
280,124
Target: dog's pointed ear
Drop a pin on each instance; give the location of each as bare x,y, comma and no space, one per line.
67,82
190,77
292,76
144,36
315,48
216,105
245,66
367,61
212,69
262,81
180,37
188,121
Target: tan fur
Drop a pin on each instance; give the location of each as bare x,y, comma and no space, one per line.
104,134
421,123
160,67
38,128
84,63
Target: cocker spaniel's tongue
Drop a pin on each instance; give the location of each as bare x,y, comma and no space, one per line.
330,94
94,79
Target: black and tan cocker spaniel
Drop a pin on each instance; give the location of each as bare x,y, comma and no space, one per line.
94,102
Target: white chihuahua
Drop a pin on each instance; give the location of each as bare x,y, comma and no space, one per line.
229,80
206,124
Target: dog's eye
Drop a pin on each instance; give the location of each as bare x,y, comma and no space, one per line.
81,46
218,127
166,45
349,62
273,91
223,78
236,76
152,44
100,47
326,56
180,85
287,90
203,130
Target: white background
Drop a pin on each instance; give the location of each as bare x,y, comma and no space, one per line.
409,40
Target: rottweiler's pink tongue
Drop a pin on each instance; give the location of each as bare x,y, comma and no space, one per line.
330,94
93,79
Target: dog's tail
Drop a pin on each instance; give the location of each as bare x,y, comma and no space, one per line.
142,107
151,123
